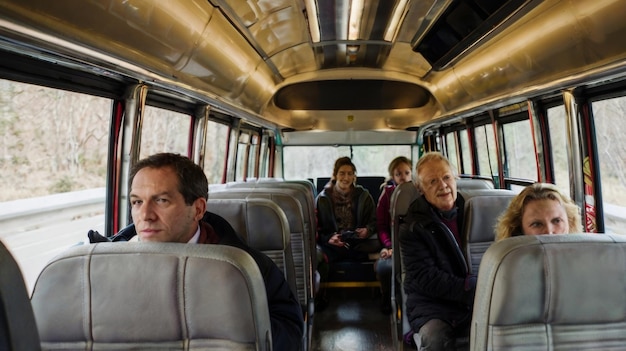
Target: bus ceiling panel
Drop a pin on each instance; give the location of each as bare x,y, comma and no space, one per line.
277,30
355,94
352,137
184,44
556,45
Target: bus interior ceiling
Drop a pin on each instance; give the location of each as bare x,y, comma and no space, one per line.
323,73
297,66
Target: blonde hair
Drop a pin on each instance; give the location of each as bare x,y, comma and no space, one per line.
510,222
429,157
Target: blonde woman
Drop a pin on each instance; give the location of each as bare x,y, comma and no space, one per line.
539,209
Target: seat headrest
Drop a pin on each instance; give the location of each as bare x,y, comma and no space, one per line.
151,295
553,290
482,209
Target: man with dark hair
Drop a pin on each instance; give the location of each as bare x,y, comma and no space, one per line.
168,197
440,291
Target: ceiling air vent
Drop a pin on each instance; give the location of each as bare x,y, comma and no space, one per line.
459,26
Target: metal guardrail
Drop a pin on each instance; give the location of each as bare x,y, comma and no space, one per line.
24,214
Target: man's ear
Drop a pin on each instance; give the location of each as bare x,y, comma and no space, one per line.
200,207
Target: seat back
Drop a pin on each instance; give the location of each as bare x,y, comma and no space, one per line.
552,292
482,209
293,211
474,183
302,191
401,198
263,226
152,296
18,330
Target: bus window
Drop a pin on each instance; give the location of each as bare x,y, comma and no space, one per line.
319,161
466,155
242,152
485,147
520,154
610,128
374,160
451,149
556,121
252,155
264,162
67,140
215,152
54,153
164,131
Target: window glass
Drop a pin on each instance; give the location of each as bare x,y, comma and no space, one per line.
302,162
610,130
265,157
215,153
558,134
242,153
164,131
452,154
53,148
53,141
485,148
520,153
254,145
466,153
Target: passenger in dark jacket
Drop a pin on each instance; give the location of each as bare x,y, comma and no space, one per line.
344,206
168,196
439,289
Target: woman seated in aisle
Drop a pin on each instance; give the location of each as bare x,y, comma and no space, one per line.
346,216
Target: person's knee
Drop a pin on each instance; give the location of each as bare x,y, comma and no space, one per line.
435,335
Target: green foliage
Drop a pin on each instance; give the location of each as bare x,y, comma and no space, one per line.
63,185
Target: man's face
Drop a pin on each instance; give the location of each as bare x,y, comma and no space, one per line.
158,208
438,184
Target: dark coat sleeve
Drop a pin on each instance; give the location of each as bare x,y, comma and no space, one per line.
326,224
429,270
285,311
367,213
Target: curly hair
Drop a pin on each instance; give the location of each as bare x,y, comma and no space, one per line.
510,222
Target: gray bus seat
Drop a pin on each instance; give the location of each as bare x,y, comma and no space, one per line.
18,330
402,196
474,183
552,292
293,212
144,296
263,226
482,209
302,191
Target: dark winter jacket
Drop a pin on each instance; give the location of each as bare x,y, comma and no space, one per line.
363,207
437,283
285,311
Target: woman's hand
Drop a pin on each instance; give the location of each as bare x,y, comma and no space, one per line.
336,240
385,253
361,232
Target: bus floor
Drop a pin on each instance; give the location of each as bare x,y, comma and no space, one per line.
352,321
